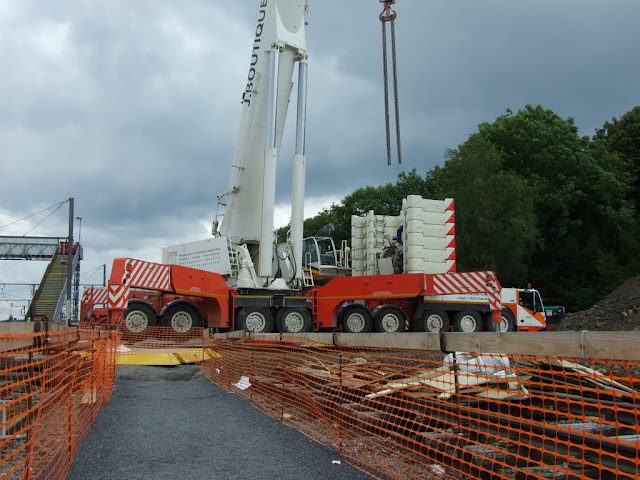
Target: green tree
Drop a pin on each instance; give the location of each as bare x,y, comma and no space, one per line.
622,138
579,203
496,226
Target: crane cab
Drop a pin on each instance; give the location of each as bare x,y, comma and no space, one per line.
323,260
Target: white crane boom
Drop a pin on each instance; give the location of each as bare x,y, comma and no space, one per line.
279,43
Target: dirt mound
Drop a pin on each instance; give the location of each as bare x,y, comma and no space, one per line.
617,311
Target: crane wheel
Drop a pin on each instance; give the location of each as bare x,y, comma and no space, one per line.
356,318
389,319
139,317
182,318
255,319
433,321
468,322
294,320
507,322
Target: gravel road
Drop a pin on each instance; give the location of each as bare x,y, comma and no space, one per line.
173,423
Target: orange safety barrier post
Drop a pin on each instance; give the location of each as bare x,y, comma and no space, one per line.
425,412
52,385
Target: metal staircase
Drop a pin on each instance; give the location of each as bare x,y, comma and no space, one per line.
50,298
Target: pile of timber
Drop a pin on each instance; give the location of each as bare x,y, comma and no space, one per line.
542,418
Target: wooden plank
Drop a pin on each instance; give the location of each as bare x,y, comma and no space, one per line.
406,340
445,383
590,345
316,373
541,438
591,375
632,438
408,382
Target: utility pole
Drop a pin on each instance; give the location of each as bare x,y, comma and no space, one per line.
70,261
79,229
76,280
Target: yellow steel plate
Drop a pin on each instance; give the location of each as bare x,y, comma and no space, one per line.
164,357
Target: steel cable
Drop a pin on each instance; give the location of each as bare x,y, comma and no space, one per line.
386,90
389,15
395,87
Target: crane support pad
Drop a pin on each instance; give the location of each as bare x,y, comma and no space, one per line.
143,356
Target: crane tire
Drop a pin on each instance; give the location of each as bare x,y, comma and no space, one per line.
468,322
255,319
139,317
356,318
389,319
294,320
507,322
433,321
182,318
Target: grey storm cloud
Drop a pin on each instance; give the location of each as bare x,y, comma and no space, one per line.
132,107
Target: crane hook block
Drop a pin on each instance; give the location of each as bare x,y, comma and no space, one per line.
387,13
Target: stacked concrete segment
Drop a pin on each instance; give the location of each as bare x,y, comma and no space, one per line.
428,237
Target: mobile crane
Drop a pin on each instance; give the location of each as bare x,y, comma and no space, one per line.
239,278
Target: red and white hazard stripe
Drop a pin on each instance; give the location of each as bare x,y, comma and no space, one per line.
468,282
141,274
95,295
138,274
451,232
118,296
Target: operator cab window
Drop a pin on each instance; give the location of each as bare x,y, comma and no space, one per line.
310,250
531,299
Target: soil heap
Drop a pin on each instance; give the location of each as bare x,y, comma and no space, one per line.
617,311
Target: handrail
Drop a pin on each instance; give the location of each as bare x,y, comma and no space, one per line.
36,296
63,294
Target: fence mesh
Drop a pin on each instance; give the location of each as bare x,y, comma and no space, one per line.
413,414
52,385
392,412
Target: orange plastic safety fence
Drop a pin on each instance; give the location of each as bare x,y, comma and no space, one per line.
157,337
52,385
158,345
413,414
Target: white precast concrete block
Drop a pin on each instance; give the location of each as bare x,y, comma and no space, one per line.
429,267
427,254
434,231
427,218
430,243
428,236
428,205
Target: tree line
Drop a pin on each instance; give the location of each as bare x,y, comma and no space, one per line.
534,201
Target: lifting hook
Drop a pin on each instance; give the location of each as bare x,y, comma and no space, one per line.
387,13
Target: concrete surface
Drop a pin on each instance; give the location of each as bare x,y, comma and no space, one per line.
173,423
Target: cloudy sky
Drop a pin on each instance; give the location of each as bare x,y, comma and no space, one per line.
132,107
